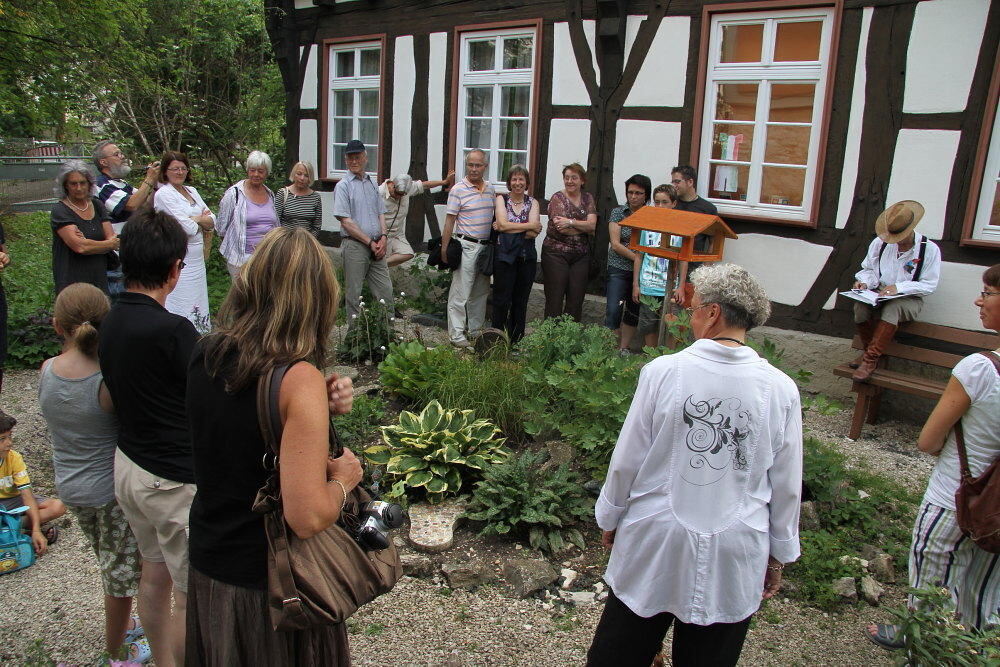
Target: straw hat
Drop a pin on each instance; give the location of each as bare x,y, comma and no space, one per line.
895,223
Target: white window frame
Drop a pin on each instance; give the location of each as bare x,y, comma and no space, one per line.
982,230
764,73
497,77
357,83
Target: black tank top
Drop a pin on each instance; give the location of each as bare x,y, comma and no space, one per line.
226,539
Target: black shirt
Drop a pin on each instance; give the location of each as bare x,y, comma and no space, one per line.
697,205
227,540
70,267
144,353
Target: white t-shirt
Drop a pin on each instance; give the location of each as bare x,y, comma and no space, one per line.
396,209
980,424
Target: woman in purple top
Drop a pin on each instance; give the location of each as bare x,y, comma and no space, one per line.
246,213
566,248
516,218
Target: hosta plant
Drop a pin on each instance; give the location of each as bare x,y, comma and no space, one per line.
437,451
518,497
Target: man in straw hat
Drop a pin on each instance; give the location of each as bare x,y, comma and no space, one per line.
899,262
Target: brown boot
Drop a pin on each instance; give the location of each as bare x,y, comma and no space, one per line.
881,338
865,330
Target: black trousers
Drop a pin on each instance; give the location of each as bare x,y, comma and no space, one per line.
511,289
625,639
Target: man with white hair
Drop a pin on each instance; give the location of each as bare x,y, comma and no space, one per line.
397,192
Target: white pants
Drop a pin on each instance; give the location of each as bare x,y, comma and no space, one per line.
467,296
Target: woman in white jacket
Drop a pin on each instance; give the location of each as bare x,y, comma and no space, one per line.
701,502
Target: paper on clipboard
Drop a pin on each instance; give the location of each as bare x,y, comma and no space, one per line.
871,297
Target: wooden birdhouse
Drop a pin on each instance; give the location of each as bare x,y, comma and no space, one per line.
678,232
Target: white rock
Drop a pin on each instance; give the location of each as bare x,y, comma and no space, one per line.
863,494
854,560
599,587
568,577
578,597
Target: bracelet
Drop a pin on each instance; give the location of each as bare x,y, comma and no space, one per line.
776,568
342,488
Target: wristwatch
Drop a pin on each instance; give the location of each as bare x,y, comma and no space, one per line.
376,239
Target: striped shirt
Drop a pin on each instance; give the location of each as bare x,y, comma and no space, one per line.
114,193
473,209
304,211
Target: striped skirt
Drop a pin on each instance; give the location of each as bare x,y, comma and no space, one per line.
941,556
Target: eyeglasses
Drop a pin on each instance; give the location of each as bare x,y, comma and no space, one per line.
691,309
115,154
986,294
178,170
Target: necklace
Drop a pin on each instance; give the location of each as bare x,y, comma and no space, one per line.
732,340
81,209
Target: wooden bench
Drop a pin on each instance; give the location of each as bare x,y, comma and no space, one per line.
908,345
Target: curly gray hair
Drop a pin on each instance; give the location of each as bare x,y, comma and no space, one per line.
73,167
743,301
258,159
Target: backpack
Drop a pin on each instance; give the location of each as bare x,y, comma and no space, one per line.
16,550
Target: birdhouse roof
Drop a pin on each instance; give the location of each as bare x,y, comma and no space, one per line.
678,223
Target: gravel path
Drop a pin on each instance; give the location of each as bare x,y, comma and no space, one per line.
420,622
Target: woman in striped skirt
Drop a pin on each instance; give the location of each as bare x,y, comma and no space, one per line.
940,555
298,205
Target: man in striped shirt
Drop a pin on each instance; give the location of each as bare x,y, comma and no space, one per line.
469,218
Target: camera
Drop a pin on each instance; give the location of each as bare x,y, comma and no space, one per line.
377,518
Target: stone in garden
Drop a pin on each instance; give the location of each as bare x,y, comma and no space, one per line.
432,527
846,588
869,552
854,560
594,486
369,389
883,568
568,577
416,565
808,516
528,575
559,452
344,371
578,598
871,591
862,494
429,320
599,587
464,575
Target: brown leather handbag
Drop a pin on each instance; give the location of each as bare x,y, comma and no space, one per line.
977,501
321,580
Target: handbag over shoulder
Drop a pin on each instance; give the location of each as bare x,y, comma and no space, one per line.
321,580
977,501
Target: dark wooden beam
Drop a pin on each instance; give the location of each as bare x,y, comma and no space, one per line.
933,121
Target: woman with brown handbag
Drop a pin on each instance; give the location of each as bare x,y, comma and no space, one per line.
941,554
280,310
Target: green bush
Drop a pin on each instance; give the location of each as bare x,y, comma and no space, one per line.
520,497
934,636
370,334
429,288
361,423
437,451
30,290
410,369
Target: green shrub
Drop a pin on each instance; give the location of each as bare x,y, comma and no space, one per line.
410,368
519,497
362,422
428,288
437,451
30,290
369,335
934,637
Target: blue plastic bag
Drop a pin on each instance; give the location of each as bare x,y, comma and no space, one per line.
16,550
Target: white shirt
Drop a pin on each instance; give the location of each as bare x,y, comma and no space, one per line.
396,209
980,426
896,269
704,484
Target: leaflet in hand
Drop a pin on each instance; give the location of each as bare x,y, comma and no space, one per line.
871,297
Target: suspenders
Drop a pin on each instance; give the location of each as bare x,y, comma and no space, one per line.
920,261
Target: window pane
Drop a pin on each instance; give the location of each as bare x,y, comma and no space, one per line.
345,63
995,213
337,161
343,103
342,130
479,101
370,62
787,144
798,41
514,134
477,133
742,43
783,185
736,101
514,100
732,142
728,181
792,102
508,160
368,130
372,159
368,102
517,53
481,55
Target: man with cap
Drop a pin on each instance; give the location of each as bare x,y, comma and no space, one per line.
397,192
361,211
899,262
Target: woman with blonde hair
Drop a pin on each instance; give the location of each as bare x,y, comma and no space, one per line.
84,431
297,204
279,311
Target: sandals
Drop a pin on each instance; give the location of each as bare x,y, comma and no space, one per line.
887,636
52,534
139,651
135,632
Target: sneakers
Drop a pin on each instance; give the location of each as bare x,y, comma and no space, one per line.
462,344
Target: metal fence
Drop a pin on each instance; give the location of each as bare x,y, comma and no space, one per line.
26,183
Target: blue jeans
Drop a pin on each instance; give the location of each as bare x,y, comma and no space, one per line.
618,290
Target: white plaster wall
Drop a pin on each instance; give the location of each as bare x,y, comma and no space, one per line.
567,83
309,141
663,74
786,268
831,302
951,304
645,147
437,119
569,141
849,173
941,58
330,222
310,85
921,170
404,81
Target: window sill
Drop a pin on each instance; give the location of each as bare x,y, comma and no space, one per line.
761,216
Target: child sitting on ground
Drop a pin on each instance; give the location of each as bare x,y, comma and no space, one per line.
15,491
